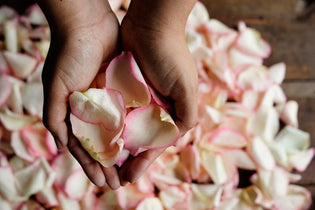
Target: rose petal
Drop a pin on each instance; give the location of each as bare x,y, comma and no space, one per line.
124,75
293,139
207,194
36,16
226,137
214,26
22,65
189,156
297,198
240,159
149,127
254,77
7,183
264,123
197,16
251,42
33,98
63,165
277,72
6,13
300,160
48,197
261,154
101,144
68,203
289,113
34,178
10,35
20,147
14,122
239,60
150,204
173,197
5,89
77,185
99,106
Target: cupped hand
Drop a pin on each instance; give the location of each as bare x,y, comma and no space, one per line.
83,34
154,31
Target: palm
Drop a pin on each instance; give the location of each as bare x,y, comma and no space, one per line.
81,40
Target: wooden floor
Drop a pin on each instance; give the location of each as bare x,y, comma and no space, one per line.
292,41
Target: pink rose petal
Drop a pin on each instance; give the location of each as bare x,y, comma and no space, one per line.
22,65
77,185
261,154
277,72
7,183
150,203
251,42
148,128
101,144
228,138
124,75
99,106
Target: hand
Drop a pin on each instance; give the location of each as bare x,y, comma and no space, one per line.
154,31
83,34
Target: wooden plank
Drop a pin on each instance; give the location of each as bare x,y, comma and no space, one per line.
299,89
292,41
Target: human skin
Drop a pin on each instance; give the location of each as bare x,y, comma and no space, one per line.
85,33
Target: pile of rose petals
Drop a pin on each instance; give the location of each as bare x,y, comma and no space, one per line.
241,105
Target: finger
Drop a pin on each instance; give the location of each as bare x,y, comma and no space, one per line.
112,178
134,167
185,95
90,166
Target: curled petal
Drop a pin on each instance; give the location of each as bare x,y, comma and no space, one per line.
148,128
214,26
22,65
277,72
198,16
36,16
103,145
7,183
228,138
240,158
13,122
264,123
297,198
254,77
34,177
77,185
124,75
300,160
239,60
251,42
289,113
33,98
261,154
293,139
99,106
